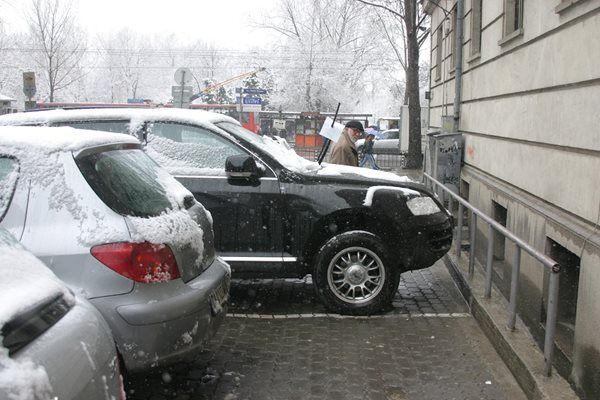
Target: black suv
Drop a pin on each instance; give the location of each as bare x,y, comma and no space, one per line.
279,215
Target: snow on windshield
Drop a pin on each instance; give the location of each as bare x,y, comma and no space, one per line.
285,156
8,179
26,281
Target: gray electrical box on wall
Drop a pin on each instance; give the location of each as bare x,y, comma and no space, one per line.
444,158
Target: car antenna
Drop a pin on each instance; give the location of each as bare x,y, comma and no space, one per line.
327,141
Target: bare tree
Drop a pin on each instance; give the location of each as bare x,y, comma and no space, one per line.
128,62
410,23
327,46
60,42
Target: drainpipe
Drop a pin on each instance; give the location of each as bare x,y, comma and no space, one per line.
460,6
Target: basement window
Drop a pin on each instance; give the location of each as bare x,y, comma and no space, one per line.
499,214
568,289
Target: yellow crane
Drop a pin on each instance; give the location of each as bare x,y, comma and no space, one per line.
212,87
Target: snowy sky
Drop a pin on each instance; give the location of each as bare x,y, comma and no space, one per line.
222,22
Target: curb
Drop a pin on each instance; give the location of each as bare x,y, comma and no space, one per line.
517,348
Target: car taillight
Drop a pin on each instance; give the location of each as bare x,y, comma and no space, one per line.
143,262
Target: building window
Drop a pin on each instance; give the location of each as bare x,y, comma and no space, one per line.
513,16
476,27
453,38
438,53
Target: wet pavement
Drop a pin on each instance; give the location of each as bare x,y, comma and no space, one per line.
278,342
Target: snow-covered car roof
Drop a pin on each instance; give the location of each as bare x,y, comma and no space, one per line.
199,117
57,139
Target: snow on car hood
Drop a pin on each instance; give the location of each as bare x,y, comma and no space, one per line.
289,159
336,170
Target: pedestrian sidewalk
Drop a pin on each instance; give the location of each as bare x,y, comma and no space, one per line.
517,348
414,174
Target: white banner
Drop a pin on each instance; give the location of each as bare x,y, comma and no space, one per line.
279,124
331,132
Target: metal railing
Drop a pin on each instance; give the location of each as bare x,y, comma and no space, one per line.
547,262
383,160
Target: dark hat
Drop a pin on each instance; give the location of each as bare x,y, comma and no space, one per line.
355,124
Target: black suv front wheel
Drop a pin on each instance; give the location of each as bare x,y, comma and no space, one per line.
353,275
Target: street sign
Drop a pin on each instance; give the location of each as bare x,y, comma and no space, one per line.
177,90
255,91
183,76
252,100
251,90
250,107
29,84
181,96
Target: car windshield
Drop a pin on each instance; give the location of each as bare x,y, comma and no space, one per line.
284,155
128,181
8,178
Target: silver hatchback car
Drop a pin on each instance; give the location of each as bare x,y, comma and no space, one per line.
53,345
120,230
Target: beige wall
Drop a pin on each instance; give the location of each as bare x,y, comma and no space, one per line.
530,117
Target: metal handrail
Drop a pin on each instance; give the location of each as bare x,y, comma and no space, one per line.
520,244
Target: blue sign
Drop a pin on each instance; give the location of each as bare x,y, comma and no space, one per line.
249,100
254,91
252,100
135,101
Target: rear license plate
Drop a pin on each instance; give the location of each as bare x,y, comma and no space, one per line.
220,294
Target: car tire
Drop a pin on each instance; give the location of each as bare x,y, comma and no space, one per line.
353,274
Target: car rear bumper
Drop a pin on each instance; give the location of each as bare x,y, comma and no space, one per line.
160,324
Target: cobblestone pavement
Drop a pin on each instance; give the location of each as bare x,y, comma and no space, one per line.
278,342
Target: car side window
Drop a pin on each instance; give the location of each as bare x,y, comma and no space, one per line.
189,150
9,169
392,134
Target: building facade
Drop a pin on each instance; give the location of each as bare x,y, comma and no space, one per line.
528,108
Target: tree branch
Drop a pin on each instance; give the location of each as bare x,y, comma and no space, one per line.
396,13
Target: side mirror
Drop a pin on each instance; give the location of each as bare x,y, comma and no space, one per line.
241,166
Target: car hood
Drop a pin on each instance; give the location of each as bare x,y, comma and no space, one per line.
356,175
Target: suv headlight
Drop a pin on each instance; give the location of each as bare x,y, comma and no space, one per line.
422,206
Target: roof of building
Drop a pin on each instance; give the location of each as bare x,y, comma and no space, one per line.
5,98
